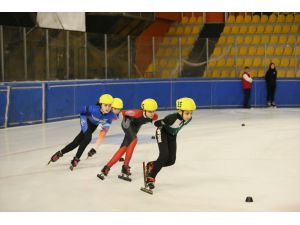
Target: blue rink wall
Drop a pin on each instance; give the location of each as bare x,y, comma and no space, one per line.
37,102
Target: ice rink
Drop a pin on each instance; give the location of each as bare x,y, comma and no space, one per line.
219,163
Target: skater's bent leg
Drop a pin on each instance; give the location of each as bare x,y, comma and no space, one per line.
116,156
129,151
76,142
172,152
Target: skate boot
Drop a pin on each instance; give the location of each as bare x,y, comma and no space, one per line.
74,163
269,104
150,182
91,153
125,173
104,172
273,104
149,168
121,159
55,157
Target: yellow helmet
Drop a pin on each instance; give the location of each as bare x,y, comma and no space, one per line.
185,104
106,99
149,104
117,104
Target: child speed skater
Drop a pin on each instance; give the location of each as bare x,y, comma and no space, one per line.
166,134
116,107
131,124
90,117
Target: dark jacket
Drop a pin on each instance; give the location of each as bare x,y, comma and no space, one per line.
271,77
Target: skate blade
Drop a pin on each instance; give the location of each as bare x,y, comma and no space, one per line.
48,163
100,176
147,190
124,178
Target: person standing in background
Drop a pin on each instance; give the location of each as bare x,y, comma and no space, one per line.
247,83
271,77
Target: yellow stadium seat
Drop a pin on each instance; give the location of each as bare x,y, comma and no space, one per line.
297,50
222,40
199,20
239,19
255,19
260,29
229,62
232,73
171,63
231,19
257,62
265,39
212,63
270,50
187,30
160,52
293,62
288,50
281,18
256,40
269,29
172,30
225,73
280,73
273,40
248,62
264,19
279,50
290,73
282,39
243,29
297,18
298,39
272,18
276,61
163,63
175,52
253,73
252,50
216,73
192,20
243,50
184,20
239,40
260,50
196,30
185,51
239,62
298,73
291,39
174,41
277,29
166,40
184,40
284,62
217,51
232,51
221,63
261,73
150,68
294,29
190,41
168,52
248,40
179,30
252,29
286,29
235,30
289,18
165,74
230,40
247,19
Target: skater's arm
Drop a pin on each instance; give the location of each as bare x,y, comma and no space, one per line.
249,79
101,136
168,120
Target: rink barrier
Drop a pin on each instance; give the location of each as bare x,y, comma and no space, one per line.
38,102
